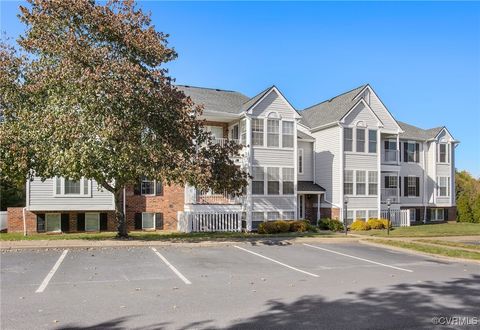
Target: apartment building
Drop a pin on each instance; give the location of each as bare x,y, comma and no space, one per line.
304,164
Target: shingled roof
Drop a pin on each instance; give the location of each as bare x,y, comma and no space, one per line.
417,133
216,99
331,110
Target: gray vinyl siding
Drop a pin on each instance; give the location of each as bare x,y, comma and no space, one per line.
362,202
411,169
389,123
273,203
273,102
360,161
41,198
327,162
307,174
361,113
273,156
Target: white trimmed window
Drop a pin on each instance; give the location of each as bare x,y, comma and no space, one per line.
411,186
273,177
53,222
372,141
372,214
148,220
68,187
360,140
287,134
348,182
287,180
350,215
147,186
361,215
372,182
437,214
288,215
443,154
258,186
300,161
272,216
257,132
443,186
243,131
273,132
413,214
347,139
92,221
361,182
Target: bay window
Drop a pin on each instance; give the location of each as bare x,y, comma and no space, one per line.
360,140
273,132
257,132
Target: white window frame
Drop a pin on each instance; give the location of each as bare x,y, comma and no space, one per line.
372,182
369,141
415,160
447,153
258,132
235,127
271,134
292,135
411,179
243,131
352,182
372,214
259,214
143,220
260,170
434,214
301,161
292,180
357,144
357,217
357,182
290,213
350,129
272,213
97,216
278,180
47,220
446,186
59,182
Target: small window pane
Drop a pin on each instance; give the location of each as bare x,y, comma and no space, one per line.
361,215
288,215
148,221
271,216
272,132
372,214
72,187
53,221
58,185
348,139
360,140
257,132
372,182
300,161
85,186
372,141
92,221
361,179
348,182
273,181
287,134
258,181
148,186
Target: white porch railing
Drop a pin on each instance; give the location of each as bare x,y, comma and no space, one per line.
398,218
390,193
390,156
209,221
195,196
223,141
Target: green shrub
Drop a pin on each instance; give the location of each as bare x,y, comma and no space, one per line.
385,223
376,224
330,224
359,225
274,227
299,225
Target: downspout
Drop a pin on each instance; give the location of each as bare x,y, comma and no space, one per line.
425,168
124,204
24,221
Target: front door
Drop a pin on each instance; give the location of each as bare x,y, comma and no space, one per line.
301,206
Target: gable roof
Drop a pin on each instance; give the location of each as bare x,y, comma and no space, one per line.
331,110
216,99
417,133
247,105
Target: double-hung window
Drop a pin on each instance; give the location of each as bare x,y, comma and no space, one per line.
361,182
273,132
437,214
390,151
243,131
257,132
443,186
361,215
411,186
372,182
273,180
147,186
287,134
272,216
300,161
443,153
92,221
53,222
347,139
348,182
148,220
69,187
287,180
258,181
360,140
372,141
288,215
411,152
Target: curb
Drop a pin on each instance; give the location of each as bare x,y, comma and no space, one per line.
418,253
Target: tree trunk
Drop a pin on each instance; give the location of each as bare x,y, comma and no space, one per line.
119,215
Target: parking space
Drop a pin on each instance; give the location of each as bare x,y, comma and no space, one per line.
174,286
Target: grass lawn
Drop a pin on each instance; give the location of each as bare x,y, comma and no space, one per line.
439,250
430,230
449,243
159,236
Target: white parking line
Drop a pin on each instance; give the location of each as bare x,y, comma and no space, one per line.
276,261
49,276
358,258
183,278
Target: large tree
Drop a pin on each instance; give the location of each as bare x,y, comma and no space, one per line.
85,94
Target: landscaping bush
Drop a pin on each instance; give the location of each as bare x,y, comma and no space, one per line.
274,227
330,224
385,223
299,225
376,224
359,225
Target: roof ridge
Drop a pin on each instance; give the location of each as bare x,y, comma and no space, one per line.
331,99
209,88
262,92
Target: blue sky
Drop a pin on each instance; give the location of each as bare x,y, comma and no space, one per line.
422,59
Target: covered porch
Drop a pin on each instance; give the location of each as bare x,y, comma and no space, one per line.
309,197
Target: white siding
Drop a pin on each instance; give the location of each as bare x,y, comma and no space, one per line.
363,114
273,156
360,161
273,102
356,202
327,162
307,174
41,198
389,123
273,203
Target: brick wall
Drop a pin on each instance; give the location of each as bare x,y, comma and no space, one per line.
15,220
332,213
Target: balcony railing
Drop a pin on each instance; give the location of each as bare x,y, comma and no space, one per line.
390,156
390,193
196,196
223,141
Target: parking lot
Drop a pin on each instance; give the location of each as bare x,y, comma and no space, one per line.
243,285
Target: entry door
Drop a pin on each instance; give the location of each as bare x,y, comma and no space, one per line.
301,206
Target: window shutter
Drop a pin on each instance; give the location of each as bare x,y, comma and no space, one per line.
386,183
138,221
158,188
445,215
429,214
386,144
405,153
405,186
400,186
417,186
159,221
103,222
137,188
417,152
418,214
80,221
41,223
65,225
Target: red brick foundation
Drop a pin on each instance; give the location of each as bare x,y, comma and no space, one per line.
331,213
